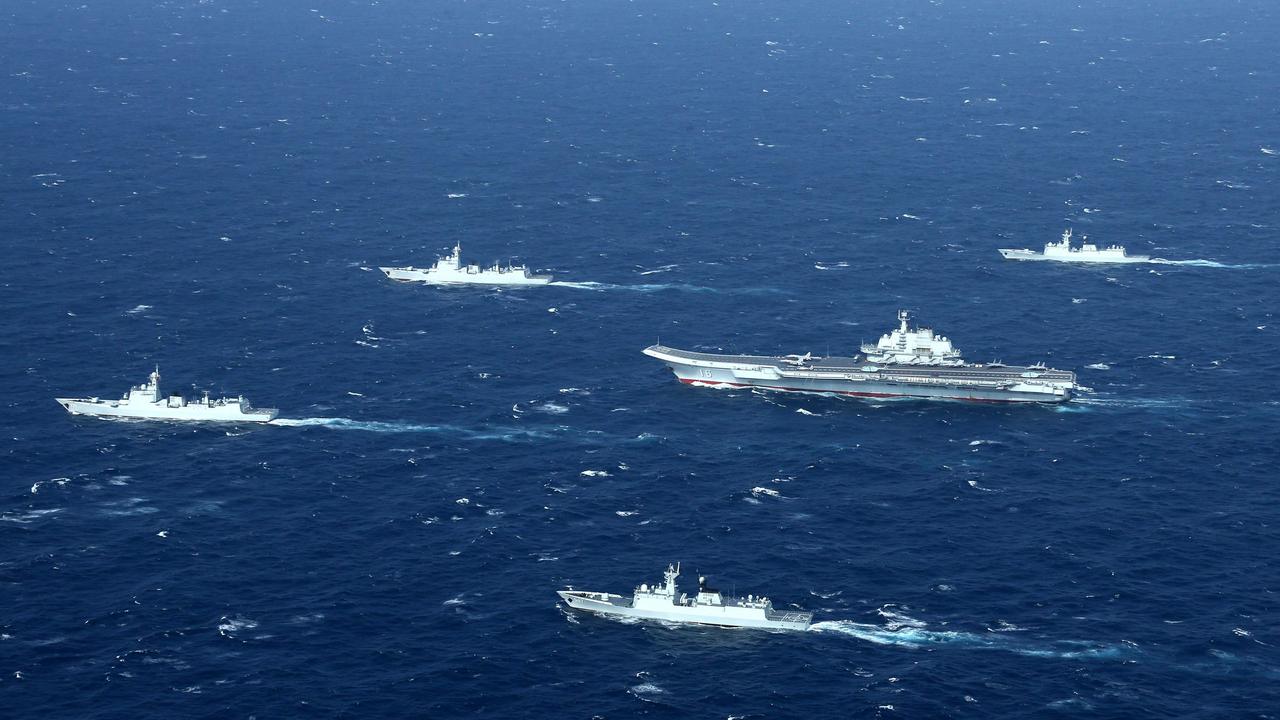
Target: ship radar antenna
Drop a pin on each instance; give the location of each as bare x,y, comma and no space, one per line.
673,572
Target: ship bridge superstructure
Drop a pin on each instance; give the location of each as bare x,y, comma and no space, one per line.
906,346
147,392
1063,248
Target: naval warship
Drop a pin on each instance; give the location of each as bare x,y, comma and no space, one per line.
449,270
708,607
905,363
144,402
1062,251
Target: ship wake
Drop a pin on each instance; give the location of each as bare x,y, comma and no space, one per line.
661,287
1170,403
915,636
1213,264
376,426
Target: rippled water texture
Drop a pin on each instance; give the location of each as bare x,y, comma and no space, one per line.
211,186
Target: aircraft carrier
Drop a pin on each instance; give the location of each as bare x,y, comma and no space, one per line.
905,363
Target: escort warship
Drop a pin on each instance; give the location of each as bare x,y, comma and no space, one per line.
1062,251
905,363
449,270
144,402
708,607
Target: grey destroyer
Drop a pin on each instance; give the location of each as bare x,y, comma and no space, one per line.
708,607
449,270
1062,251
905,363
145,402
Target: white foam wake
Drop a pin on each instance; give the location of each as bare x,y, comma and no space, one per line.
1127,402
660,287
507,434
916,637
901,635
1213,264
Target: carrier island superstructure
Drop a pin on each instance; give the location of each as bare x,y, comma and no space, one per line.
905,363
708,607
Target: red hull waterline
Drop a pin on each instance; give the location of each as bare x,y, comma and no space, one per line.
691,381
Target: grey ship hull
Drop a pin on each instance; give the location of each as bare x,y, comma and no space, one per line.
720,616
857,377
1075,257
192,412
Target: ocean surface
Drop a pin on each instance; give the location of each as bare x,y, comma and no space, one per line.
210,185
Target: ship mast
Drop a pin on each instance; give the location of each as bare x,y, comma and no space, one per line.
670,576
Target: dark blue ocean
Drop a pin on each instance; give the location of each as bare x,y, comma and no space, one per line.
210,185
